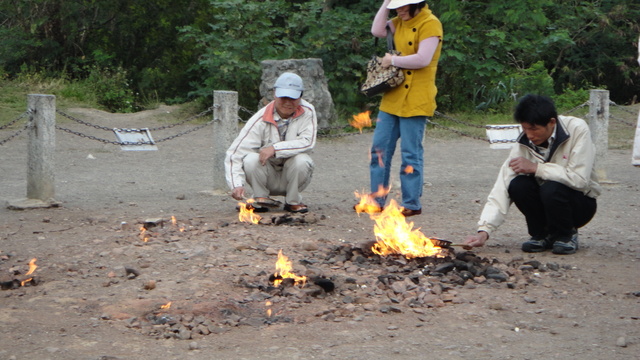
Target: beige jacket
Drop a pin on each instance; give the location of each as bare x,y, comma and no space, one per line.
261,131
571,163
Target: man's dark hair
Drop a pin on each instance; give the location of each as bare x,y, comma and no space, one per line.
535,110
414,7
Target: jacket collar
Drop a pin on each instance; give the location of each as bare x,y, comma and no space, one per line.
561,136
270,108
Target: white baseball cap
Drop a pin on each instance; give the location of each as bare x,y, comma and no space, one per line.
289,85
394,4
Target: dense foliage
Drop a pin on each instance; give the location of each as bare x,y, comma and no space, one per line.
132,52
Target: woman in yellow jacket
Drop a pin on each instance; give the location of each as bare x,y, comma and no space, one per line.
405,108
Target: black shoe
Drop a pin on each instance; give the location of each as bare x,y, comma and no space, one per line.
566,247
534,245
409,212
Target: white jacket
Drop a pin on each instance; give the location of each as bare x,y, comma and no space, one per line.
261,131
571,162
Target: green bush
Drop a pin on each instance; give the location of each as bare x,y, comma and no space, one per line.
111,89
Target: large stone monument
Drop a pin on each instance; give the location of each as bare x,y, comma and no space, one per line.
316,87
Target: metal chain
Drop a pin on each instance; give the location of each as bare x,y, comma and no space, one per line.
83,122
621,108
463,133
186,131
2,142
576,108
91,137
621,120
28,112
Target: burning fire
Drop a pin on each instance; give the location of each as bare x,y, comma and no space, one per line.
408,169
361,120
174,222
268,305
283,271
246,213
143,234
396,236
166,306
368,203
32,268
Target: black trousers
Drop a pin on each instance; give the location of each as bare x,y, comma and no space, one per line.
552,208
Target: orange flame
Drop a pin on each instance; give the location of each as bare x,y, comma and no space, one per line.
246,213
143,234
368,203
361,120
173,220
32,268
408,169
166,306
268,305
396,236
283,271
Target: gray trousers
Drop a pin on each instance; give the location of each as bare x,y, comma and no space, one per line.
287,177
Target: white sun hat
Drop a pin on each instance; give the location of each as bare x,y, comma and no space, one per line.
289,85
394,4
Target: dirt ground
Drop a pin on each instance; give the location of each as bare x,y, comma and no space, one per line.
86,306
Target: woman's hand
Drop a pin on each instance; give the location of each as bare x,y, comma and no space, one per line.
386,60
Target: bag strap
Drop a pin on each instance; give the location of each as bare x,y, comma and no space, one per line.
390,44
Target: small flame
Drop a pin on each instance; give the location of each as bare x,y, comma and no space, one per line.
408,169
166,306
283,271
246,213
32,266
397,236
367,203
174,222
268,305
361,120
143,234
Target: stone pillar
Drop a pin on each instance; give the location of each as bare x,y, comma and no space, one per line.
599,124
635,159
41,154
225,129
315,83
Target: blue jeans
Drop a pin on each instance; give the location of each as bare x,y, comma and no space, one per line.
389,129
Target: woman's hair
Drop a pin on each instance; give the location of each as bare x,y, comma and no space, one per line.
414,7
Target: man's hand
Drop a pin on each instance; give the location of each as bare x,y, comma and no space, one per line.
521,165
266,154
238,193
477,240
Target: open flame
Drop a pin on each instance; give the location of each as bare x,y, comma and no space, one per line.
361,120
174,222
32,268
246,213
143,234
397,236
283,271
368,203
166,306
408,169
268,304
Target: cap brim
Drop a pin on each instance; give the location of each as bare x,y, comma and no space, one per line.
294,94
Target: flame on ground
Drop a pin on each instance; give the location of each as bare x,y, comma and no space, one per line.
361,120
283,271
368,203
397,236
32,268
268,305
408,169
166,306
143,234
246,213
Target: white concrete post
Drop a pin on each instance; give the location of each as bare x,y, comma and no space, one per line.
599,125
41,153
225,129
635,157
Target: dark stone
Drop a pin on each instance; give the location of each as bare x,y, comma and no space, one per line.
445,267
500,277
534,263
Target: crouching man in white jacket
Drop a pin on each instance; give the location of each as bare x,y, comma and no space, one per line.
271,153
549,175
